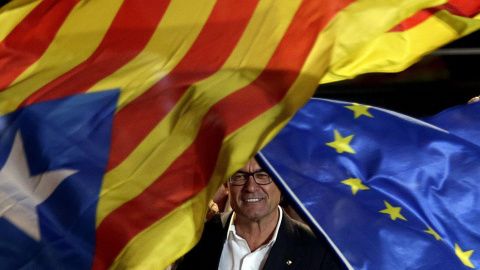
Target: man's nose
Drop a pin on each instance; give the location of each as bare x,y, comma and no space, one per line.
251,184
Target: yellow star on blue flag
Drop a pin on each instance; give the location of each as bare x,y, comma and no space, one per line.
464,256
359,110
394,212
341,144
355,184
432,232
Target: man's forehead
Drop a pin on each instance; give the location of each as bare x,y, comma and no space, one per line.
254,171
251,166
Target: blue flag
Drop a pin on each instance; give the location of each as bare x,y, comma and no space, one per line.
387,190
461,121
52,159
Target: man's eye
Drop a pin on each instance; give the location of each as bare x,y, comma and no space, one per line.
239,177
262,175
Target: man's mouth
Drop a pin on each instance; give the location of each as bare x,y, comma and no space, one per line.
252,200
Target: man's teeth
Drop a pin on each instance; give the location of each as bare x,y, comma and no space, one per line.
252,200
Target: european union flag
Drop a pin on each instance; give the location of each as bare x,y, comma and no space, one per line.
389,191
52,160
462,121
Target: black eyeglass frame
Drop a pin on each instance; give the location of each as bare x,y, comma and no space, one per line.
248,174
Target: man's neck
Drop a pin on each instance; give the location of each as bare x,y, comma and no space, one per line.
257,232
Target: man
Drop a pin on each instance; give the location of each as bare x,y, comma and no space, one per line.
258,234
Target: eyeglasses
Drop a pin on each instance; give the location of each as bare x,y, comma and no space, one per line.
241,178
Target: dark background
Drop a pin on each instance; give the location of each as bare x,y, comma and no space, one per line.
445,78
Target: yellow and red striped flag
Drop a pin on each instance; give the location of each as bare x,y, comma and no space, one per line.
199,88
405,44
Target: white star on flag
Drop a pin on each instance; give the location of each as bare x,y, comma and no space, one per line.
20,193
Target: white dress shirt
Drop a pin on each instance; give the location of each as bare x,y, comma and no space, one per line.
236,254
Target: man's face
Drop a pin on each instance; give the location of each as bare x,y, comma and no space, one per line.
252,201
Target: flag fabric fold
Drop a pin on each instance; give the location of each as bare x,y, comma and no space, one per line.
461,121
389,191
202,86
399,47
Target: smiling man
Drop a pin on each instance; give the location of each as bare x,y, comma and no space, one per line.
258,234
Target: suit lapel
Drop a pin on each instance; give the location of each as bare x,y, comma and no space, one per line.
282,251
217,245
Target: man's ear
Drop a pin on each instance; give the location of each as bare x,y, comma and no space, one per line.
225,185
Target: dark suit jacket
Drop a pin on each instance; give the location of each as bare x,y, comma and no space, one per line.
295,243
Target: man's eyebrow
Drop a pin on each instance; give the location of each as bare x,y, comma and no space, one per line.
261,170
